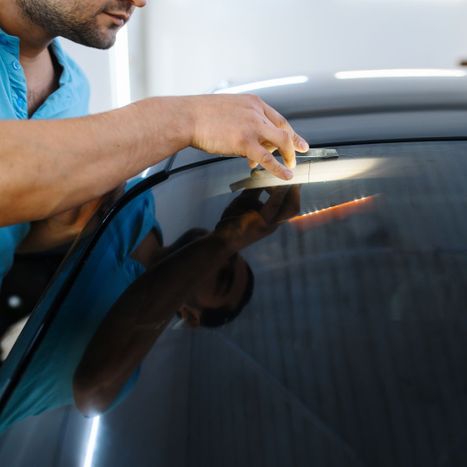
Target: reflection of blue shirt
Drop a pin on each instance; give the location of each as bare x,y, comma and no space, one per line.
107,273
69,100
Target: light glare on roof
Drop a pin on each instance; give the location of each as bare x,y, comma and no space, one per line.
271,83
401,73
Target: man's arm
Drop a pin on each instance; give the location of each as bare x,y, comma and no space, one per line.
47,167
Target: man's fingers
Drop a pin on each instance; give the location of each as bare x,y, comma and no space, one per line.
252,164
280,121
261,156
300,144
280,139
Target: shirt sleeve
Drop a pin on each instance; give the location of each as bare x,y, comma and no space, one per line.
10,238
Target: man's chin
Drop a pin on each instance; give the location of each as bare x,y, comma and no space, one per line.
105,45
103,40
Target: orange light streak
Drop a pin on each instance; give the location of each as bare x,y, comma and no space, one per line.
338,211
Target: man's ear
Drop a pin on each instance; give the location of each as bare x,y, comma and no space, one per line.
191,315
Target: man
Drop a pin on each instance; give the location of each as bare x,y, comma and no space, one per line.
49,167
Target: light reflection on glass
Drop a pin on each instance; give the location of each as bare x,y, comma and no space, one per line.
311,172
271,83
337,211
92,441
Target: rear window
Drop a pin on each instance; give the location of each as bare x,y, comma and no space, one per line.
350,350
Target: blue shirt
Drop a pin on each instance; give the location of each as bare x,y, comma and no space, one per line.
71,99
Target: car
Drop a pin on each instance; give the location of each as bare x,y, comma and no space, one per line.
213,315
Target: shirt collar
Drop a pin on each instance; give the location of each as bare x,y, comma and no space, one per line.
11,44
65,76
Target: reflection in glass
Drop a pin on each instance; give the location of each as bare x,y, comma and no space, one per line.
179,279
37,258
144,284
351,350
47,381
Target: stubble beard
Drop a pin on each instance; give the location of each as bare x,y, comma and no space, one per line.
57,21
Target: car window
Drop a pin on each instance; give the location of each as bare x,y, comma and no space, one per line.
20,291
342,338
36,261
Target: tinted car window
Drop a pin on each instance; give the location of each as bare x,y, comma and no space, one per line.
350,351
35,262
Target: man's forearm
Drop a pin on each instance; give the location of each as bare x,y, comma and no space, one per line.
47,167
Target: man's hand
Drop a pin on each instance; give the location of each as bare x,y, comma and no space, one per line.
245,126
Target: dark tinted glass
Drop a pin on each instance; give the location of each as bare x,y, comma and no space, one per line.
350,352
37,257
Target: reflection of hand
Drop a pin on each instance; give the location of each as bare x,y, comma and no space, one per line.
247,220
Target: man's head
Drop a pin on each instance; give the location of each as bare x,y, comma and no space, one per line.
222,295
93,23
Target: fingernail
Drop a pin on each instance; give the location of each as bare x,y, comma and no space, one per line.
288,174
304,145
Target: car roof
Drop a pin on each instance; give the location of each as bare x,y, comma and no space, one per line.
358,107
362,91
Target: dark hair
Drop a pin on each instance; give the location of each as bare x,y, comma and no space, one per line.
215,317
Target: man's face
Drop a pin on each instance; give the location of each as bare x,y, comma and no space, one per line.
224,287
93,23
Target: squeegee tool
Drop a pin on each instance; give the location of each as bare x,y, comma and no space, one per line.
318,154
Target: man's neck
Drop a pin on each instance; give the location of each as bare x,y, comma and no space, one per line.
34,40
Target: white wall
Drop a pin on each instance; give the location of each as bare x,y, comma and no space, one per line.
96,65
194,44
190,46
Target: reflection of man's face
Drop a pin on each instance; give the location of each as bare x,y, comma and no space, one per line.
94,23
224,287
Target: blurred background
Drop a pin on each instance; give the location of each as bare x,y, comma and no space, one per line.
174,47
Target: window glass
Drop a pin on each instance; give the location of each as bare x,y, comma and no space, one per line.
332,317
43,248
